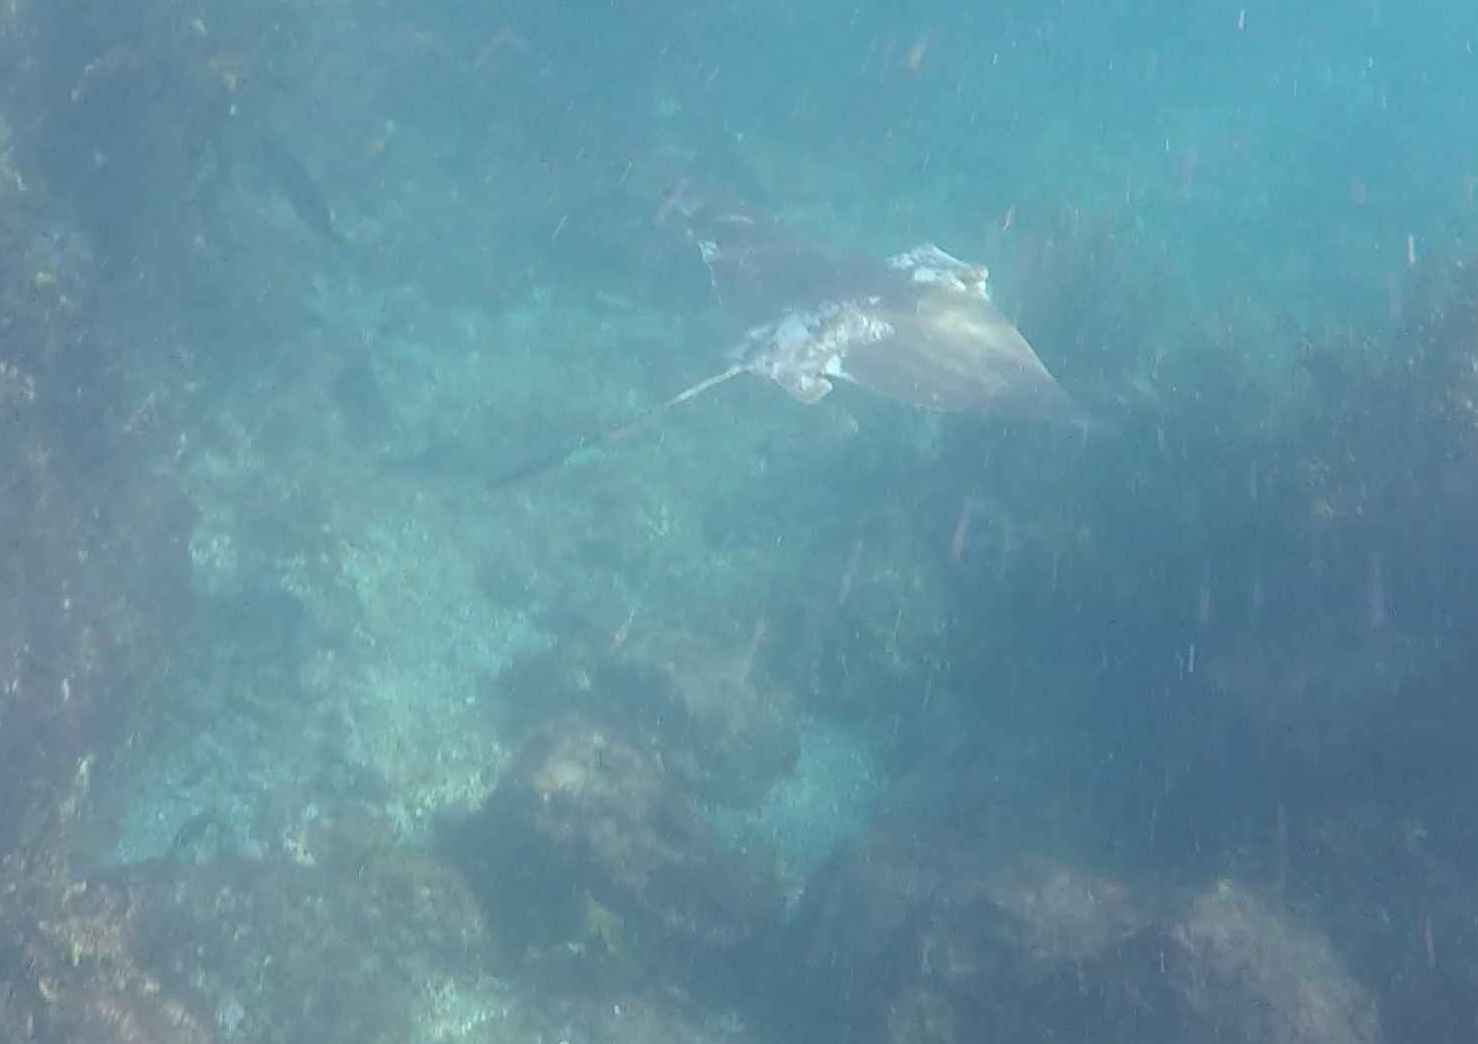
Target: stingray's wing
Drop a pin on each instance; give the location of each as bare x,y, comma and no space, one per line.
953,349
759,268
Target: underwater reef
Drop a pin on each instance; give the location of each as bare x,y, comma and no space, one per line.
768,723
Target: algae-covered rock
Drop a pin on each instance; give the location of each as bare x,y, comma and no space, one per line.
589,810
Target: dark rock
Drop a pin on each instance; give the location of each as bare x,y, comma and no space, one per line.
1257,974
588,812
929,938
905,938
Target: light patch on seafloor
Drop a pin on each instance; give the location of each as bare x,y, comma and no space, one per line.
453,1010
423,636
827,799
396,631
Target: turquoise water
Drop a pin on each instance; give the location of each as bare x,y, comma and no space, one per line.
391,285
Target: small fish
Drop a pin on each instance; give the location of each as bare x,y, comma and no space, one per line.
289,176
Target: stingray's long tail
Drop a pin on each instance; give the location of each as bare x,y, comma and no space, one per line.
677,400
557,458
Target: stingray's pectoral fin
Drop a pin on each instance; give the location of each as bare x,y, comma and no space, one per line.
807,387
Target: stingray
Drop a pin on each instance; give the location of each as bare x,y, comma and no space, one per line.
918,327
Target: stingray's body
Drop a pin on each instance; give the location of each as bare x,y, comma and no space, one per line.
924,332
918,327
